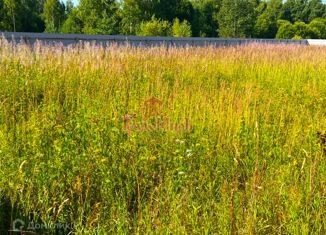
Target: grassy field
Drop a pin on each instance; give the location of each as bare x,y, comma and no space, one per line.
122,140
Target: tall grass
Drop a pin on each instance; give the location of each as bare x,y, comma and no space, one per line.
122,140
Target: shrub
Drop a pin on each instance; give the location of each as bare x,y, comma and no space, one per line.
319,27
300,30
154,27
285,30
181,29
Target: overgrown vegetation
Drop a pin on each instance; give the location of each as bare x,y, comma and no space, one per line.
156,27
123,140
199,18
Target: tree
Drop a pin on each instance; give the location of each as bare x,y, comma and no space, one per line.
302,30
299,30
285,30
69,7
204,22
171,9
11,5
154,27
293,10
236,18
318,26
226,18
266,24
99,16
73,23
21,15
313,9
31,19
181,29
54,15
134,12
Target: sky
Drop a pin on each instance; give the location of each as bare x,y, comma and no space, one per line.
75,2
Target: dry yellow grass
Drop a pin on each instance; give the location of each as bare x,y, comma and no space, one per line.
155,140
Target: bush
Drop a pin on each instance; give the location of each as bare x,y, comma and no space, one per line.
285,30
182,29
154,27
297,37
299,30
319,27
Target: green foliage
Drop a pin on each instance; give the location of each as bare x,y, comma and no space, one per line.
281,22
54,15
293,10
266,23
302,30
181,29
236,18
297,37
155,27
305,11
207,18
99,16
73,24
11,6
159,27
313,9
314,30
171,9
69,7
31,16
204,22
21,15
286,30
318,25
135,12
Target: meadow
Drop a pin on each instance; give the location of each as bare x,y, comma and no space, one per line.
122,140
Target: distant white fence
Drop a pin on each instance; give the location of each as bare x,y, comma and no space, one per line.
68,39
316,42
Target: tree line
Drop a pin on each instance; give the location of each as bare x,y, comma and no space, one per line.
179,18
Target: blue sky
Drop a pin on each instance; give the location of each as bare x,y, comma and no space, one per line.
75,2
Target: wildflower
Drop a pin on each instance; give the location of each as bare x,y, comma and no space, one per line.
179,141
189,152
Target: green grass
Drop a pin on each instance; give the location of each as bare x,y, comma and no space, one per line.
229,147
